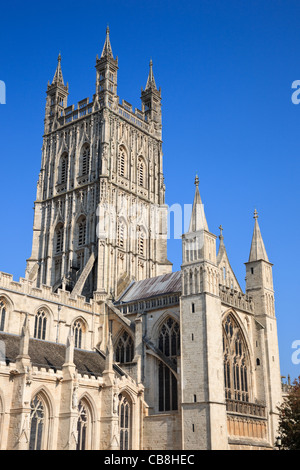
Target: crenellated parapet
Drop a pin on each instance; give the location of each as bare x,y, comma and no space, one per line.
236,298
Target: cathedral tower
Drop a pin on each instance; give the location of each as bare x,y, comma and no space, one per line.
259,285
100,213
203,402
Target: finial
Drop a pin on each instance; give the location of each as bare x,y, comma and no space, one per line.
255,215
59,57
221,232
197,180
107,29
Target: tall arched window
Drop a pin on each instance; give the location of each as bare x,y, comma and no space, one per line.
122,234
124,423
125,348
2,314
78,330
141,242
122,162
64,168
85,160
236,361
169,345
59,238
81,231
141,173
40,325
83,426
38,424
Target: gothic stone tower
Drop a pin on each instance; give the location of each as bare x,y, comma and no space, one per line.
100,214
204,423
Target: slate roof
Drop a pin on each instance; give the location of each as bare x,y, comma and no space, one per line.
152,287
52,355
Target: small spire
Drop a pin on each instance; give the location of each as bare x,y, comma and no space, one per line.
58,76
107,50
151,81
257,251
198,219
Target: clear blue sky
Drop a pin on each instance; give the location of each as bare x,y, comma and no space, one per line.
225,69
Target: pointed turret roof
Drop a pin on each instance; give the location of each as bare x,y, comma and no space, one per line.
198,219
107,50
258,251
58,76
223,260
151,81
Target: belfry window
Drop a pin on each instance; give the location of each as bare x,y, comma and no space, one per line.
236,362
141,173
64,169
125,349
40,325
2,315
169,345
59,239
82,232
85,161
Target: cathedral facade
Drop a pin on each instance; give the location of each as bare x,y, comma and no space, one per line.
102,345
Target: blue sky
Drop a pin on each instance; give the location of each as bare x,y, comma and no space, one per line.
225,69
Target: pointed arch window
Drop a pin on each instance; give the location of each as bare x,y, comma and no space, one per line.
141,173
169,345
141,242
59,242
3,310
122,234
124,422
83,427
78,334
82,231
40,325
38,424
236,361
125,349
122,163
85,160
64,168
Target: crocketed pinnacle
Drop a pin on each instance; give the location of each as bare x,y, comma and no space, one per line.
151,81
58,76
107,50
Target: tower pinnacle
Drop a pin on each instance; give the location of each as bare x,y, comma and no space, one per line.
257,251
107,50
198,219
58,76
151,81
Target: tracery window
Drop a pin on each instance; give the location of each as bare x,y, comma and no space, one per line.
125,349
169,345
78,334
37,423
2,314
40,325
124,422
236,361
82,426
